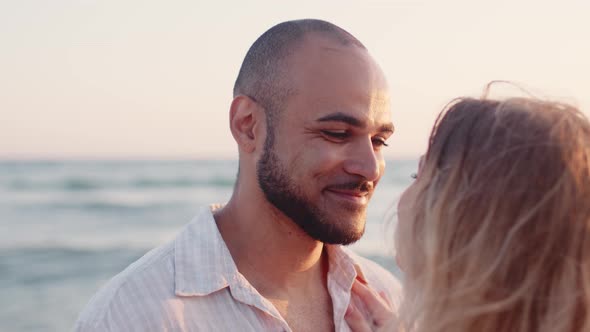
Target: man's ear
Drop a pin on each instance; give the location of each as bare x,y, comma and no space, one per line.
244,117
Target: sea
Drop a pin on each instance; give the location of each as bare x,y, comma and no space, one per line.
67,227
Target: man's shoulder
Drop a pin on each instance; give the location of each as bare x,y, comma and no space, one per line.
138,288
145,293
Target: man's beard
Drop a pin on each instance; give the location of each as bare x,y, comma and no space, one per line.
284,194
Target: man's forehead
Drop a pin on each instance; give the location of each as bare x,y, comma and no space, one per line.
369,103
380,100
350,68
328,77
361,118
316,47
325,42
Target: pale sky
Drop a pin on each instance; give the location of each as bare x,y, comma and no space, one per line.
153,79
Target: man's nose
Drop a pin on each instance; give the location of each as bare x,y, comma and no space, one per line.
365,161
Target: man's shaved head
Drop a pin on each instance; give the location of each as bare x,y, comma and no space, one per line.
264,74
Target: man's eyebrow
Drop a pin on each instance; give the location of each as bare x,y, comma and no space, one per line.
350,120
341,117
387,128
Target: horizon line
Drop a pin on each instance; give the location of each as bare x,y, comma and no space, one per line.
21,158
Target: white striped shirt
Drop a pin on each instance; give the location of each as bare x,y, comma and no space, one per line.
192,284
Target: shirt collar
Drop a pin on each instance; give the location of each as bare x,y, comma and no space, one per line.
343,262
343,267
202,261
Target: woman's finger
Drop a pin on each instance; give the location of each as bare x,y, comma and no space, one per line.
356,321
385,298
378,308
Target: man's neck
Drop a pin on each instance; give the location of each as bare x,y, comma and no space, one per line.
272,252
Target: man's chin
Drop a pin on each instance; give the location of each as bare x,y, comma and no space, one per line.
342,235
342,239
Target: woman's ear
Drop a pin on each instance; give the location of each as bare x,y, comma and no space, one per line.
244,117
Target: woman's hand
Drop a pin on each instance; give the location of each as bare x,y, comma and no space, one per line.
379,314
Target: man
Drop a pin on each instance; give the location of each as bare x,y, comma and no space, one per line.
310,116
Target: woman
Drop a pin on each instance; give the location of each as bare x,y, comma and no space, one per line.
494,234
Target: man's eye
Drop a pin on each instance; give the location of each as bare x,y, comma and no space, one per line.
339,134
379,142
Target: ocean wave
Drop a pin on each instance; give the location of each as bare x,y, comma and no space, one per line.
104,239
100,207
69,184
38,266
61,250
182,182
88,184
